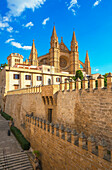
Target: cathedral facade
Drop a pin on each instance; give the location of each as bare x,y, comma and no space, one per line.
59,56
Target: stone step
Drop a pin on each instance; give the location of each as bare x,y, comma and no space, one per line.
17,166
26,168
15,155
13,164
14,158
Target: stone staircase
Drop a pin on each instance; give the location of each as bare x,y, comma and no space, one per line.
12,157
16,161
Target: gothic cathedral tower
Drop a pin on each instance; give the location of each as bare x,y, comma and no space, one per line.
33,60
87,64
74,56
55,51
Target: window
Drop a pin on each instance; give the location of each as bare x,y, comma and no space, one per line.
57,79
27,77
49,81
16,76
16,86
66,80
17,61
39,78
28,86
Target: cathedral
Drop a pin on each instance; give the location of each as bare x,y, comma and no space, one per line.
59,56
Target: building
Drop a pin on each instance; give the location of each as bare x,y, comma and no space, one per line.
52,68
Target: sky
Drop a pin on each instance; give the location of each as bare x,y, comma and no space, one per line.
21,21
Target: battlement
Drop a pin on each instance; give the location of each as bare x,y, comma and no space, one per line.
86,144
68,86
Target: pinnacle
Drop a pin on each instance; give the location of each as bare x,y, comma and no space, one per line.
87,56
74,37
54,32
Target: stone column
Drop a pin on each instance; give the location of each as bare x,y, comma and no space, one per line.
71,85
78,84
102,149
92,83
51,128
47,126
66,135
109,81
91,144
85,83
74,136
65,85
100,82
82,140
60,86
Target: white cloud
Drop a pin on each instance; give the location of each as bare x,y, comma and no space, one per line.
97,3
16,31
18,45
74,12
6,19
96,70
72,5
10,29
16,7
9,40
29,25
3,25
45,21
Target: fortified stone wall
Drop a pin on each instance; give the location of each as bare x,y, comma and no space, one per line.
64,150
90,112
21,104
87,111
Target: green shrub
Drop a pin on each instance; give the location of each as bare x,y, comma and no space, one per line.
37,153
6,116
19,136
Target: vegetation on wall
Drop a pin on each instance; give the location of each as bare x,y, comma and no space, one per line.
6,116
79,75
2,66
17,133
105,79
21,139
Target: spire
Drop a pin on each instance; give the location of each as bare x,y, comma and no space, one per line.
61,39
87,57
54,32
33,55
74,37
74,43
33,46
54,39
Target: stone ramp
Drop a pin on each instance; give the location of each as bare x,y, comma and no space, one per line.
12,156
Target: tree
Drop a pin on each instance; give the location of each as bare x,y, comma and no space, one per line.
2,66
79,74
105,79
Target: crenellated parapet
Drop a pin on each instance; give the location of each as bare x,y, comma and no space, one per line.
71,137
89,85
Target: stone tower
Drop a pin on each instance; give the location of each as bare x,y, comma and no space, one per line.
74,56
33,60
54,51
87,64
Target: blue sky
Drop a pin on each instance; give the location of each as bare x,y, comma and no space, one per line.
21,21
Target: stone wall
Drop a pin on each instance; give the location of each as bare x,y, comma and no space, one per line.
21,104
90,112
58,153
87,111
